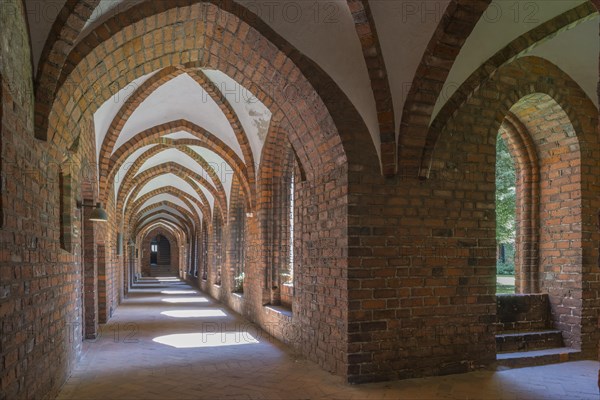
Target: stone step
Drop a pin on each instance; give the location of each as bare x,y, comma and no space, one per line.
523,312
527,341
537,357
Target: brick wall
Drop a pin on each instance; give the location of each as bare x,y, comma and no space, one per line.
560,231
528,312
422,253
51,293
394,277
40,297
51,296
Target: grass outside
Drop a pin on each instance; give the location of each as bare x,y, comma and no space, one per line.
505,284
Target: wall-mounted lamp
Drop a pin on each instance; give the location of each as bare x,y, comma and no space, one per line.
98,213
249,215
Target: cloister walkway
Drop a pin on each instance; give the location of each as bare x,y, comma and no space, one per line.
170,341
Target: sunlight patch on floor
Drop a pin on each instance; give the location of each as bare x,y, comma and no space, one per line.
208,339
194,313
186,300
179,292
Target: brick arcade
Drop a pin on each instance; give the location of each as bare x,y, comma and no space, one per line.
350,219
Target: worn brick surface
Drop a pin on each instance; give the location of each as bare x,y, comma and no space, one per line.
393,277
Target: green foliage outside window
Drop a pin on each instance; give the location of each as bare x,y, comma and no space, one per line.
505,208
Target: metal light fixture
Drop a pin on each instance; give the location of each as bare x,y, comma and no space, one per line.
98,213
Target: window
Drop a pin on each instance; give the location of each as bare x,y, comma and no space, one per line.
2,177
204,253
218,246
195,257
290,266
505,217
239,252
281,254
65,187
286,257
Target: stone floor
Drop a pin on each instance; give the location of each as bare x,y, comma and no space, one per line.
169,341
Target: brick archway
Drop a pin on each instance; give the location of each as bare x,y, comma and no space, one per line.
136,184
188,220
487,70
142,93
415,140
147,238
455,26
523,151
562,123
325,131
275,179
180,223
288,86
187,199
153,137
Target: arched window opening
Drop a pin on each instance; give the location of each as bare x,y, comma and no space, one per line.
506,226
549,227
281,230
286,265
66,218
204,253
218,248
195,256
288,273
1,139
239,250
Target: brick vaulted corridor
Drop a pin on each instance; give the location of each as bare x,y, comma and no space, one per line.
374,198
169,341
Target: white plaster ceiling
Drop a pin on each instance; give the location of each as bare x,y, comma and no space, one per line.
105,10
575,51
223,170
174,181
104,116
325,32
166,197
180,98
180,135
405,29
173,155
162,208
120,175
162,218
304,24
209,196
41,15
163,181
252,113
146,227
502,22
169,224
